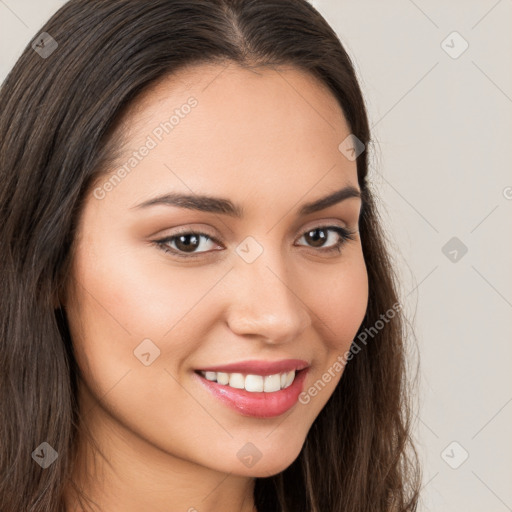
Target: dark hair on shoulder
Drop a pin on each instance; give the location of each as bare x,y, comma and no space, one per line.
58,133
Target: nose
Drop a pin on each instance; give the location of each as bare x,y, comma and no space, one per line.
264,303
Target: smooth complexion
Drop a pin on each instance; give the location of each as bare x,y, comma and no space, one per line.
267,141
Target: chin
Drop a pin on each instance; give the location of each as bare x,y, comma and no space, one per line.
269,464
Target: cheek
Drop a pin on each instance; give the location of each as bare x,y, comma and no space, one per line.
127,292
339,307
124,296
115,306
340,303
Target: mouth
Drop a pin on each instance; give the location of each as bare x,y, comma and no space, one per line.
260,368
252,383
250,394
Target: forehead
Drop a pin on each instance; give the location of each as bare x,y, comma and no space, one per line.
233,99
229,86
215,126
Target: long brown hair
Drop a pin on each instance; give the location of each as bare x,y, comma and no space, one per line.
57,135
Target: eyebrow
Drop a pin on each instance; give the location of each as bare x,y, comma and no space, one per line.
219,205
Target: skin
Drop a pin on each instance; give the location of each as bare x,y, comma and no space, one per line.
267,140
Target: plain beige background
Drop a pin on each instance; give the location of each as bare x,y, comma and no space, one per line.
441,164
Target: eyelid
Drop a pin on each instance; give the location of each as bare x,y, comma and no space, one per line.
324,223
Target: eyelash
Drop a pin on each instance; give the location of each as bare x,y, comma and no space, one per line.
345,236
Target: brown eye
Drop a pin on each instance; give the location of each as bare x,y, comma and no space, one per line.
185,244
317,237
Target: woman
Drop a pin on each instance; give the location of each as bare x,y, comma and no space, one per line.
199,312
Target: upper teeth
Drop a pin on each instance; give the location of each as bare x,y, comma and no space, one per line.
253,383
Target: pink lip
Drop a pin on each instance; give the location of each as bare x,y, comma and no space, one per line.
259,405
259,367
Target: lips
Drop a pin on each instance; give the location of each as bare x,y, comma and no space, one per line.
255,404
259,367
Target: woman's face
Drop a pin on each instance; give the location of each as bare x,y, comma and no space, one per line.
266,285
